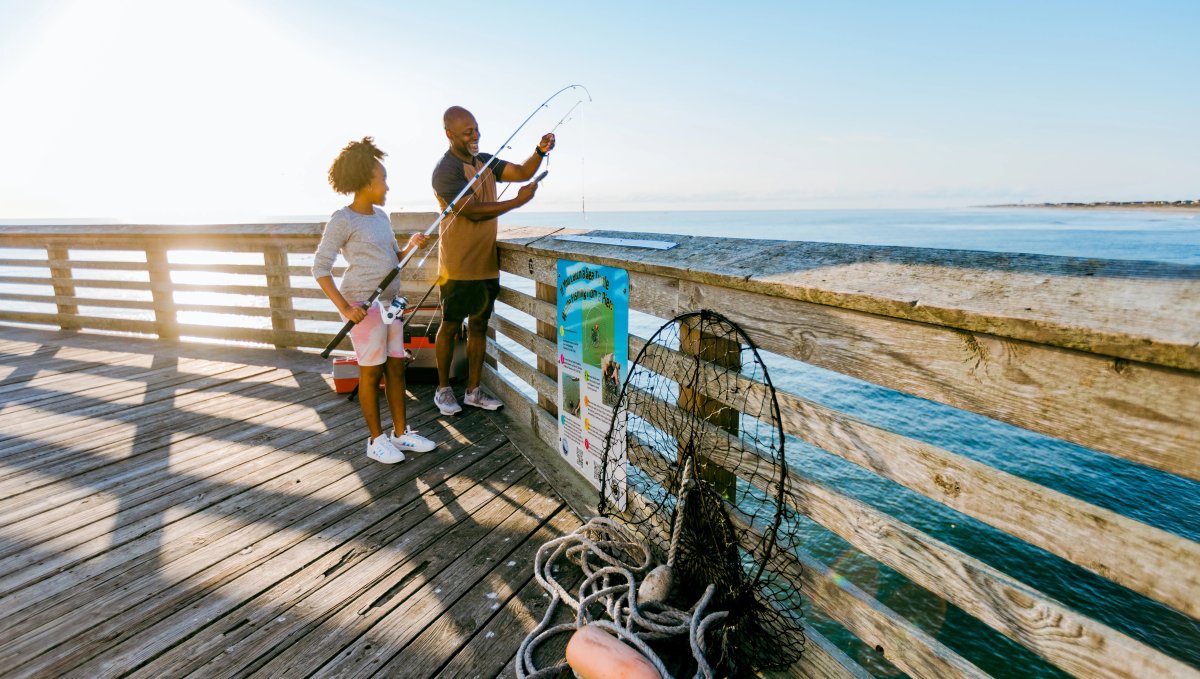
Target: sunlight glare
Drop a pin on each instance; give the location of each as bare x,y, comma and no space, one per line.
180,112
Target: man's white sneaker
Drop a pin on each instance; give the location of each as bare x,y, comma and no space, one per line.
444,399
383,450
412,441
477,399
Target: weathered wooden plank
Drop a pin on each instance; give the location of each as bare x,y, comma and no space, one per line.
48,364
541,423
77,300
87,418
78,282
292,601
548,331
1148,560
325,643
302,363
424,602
316,495
165,321
546,389
33,642
95,264
544,348
261,336
1064,637
60,272
25,263
1138,411
489,653
136,484
276,259
142,513
905,645
66,453
459,621
145,542
1139,311
821,659
148,473
342,545
540,309
52,392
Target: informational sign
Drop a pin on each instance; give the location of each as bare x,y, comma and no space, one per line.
593,355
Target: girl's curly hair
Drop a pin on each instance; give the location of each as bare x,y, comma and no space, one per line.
353,168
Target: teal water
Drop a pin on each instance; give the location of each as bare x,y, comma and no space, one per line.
1162,500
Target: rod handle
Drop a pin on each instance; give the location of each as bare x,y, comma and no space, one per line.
340,336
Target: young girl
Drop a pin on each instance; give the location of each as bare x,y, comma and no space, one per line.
363,234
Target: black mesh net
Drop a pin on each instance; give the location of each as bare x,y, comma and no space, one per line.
702,421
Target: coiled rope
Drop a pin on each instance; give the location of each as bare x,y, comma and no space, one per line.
613,560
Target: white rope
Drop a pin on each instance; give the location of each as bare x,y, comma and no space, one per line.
612,560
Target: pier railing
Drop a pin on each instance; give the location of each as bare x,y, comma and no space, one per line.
1103,355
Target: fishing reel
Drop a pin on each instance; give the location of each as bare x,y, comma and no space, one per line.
390,312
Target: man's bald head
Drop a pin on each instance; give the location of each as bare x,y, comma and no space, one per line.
456,116
462,131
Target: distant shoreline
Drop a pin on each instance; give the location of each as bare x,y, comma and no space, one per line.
1167,205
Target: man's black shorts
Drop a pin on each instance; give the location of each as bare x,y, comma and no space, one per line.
464,299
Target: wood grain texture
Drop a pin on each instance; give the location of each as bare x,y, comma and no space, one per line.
1138,411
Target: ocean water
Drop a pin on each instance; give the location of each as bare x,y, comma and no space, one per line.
1161,500
1158,499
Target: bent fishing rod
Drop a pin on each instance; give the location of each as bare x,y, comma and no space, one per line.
391,276
539,178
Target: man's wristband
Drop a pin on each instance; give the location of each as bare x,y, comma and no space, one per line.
539,151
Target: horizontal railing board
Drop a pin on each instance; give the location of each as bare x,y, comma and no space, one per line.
35,263
1065,638
545,387
1141,311
1141,412
541,346
1145,559
904,644
820,657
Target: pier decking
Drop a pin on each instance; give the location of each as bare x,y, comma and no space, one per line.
173,509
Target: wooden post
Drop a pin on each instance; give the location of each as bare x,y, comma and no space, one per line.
722,352
548,292
279,282
165,321
60,274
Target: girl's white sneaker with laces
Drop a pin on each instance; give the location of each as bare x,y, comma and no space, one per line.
411,441
382,449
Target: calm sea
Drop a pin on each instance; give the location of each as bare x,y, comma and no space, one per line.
1158,499
1167,502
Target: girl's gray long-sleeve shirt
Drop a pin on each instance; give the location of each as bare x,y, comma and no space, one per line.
369,247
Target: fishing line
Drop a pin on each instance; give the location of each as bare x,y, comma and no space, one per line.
566,118
391,276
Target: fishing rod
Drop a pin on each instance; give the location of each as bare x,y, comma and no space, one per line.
566,118
391,276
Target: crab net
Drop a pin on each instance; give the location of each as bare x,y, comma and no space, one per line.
707,483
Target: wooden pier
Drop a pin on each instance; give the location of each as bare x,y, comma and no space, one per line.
171,509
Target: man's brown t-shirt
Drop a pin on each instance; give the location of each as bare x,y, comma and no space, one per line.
466,249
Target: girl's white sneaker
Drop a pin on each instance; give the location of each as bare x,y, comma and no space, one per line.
412,441
382,449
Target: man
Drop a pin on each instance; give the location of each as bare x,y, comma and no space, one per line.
469,269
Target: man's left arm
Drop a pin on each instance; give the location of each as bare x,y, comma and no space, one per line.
513,172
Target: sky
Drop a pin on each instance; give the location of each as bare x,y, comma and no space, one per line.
154,111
